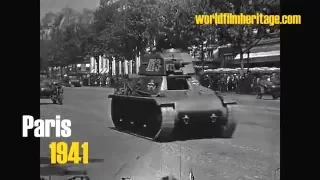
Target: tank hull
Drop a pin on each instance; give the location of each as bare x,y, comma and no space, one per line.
162,119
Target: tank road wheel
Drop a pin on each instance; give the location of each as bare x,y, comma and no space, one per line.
116,114
227,130
151,128
165,125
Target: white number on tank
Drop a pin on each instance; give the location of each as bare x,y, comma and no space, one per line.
166,109
154,65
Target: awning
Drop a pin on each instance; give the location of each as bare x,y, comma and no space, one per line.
93,71
104,70
258,60
265,48
237,70
259,54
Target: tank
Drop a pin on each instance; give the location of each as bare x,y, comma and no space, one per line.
166,102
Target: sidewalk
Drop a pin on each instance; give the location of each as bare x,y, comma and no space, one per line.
250,101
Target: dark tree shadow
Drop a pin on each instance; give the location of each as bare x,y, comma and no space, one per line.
46,103
46,160
51,170
47,169
269,99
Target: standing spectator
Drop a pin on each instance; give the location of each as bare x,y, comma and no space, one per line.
275,79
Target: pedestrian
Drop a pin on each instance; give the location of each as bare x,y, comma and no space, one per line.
275,79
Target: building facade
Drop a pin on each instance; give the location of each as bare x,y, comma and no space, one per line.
113,66
265,54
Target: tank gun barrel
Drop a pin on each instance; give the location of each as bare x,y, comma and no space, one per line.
180,63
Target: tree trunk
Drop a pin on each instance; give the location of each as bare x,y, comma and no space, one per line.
98,64
151,44
222,61
202,56
76,69
241,64
61,71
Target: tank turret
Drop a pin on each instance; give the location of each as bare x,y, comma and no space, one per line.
167,62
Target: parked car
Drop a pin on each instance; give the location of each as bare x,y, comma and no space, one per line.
74,81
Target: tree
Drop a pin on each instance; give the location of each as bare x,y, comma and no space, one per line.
96,36
48,20
69,33
55,50
242,37
44,47
126,28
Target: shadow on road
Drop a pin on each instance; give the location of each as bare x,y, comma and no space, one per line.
53,170
270,99
47,169
183,137
46,103
46,160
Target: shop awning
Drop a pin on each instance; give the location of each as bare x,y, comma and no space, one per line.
237,70
104,70
259,54
275,58
93,71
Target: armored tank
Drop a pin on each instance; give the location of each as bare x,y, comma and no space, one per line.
164,101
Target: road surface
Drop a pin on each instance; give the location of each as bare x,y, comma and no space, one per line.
253,153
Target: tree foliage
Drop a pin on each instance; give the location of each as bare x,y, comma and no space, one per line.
126,28
68,34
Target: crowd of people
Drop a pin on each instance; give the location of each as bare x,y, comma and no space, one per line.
103,80
226,82
223,82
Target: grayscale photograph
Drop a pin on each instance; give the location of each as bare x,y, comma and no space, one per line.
160,89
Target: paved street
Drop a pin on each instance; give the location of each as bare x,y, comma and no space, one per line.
253,153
